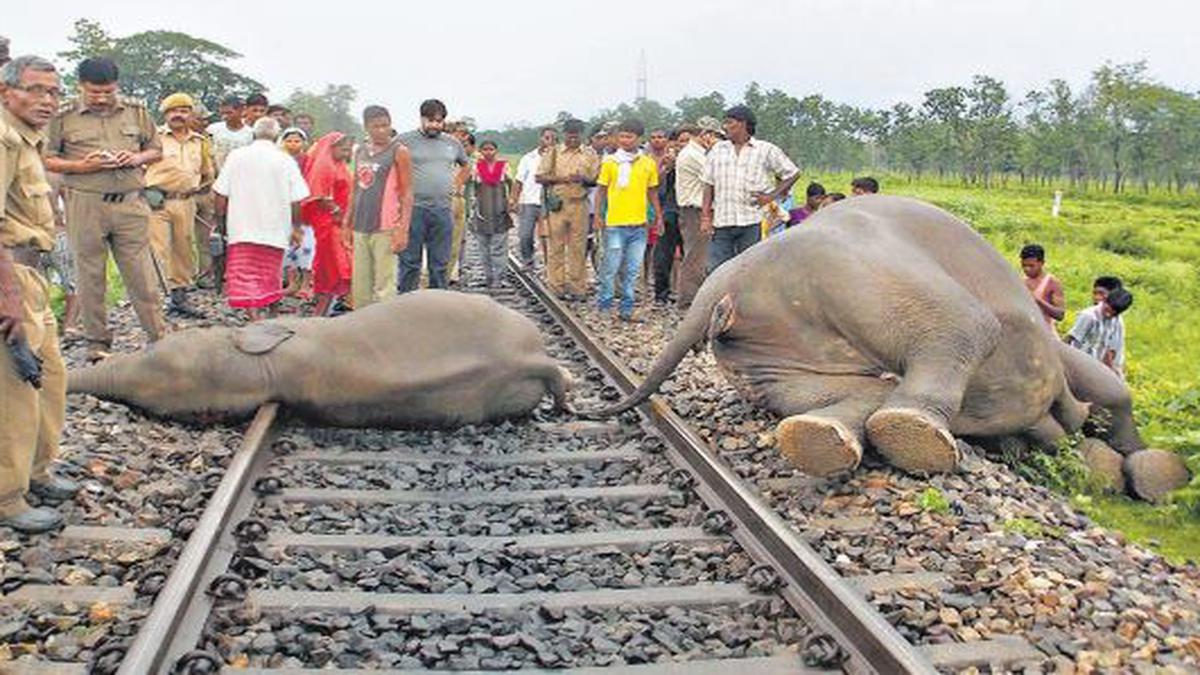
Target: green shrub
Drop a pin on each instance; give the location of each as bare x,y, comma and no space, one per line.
1126,240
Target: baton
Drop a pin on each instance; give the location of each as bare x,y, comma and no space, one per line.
162,280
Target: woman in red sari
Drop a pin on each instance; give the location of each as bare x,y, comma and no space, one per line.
329,182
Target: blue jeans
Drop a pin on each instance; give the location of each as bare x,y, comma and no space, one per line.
728,242
429,234
621,245
527,217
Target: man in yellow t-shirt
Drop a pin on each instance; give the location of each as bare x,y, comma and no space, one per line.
628,185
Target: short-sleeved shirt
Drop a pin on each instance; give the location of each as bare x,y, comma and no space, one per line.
182,164
77,131
565,163
261,183
1097,334
737,177
26,216
531,190
627,206
435,163
372,171
689,167
226,141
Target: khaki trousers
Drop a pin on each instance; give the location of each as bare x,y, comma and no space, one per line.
31,420
694,266
374,275
205,209
566,248
458,234
95,228
172,236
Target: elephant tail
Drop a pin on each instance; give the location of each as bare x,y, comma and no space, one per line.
709,315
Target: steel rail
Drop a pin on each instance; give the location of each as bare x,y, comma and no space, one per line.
817,592
177,618
811,586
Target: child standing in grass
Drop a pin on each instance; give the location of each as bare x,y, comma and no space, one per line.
1099,330
1047,291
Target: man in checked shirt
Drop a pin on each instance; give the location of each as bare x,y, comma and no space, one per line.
741,175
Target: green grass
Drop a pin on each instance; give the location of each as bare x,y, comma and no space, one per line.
1151,241
1169,530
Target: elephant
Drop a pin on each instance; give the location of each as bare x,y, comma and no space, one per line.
887,321
425,359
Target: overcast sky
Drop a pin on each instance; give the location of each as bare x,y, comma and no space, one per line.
508,62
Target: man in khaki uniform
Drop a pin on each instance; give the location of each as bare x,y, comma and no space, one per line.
178,176
31,418
566,170
206,211
100,144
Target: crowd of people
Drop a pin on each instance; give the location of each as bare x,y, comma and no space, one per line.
261,205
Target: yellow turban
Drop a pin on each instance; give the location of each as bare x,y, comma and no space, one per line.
176,100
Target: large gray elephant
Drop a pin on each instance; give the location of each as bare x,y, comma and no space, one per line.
888,320
425,359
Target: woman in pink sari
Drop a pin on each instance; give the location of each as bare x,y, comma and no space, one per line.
329,183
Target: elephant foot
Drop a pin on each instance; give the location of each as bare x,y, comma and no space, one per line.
911,441
1153,474
818,446
1104,463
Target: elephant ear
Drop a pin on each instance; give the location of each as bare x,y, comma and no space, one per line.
261,338
724,315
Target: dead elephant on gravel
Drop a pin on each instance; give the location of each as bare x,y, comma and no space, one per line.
425,359
887,321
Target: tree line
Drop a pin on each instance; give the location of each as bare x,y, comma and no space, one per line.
155,64
1122,130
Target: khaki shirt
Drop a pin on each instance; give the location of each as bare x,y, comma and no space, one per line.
77,131
564,163
26,217
182,165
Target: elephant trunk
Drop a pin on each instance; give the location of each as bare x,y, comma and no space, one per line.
99,380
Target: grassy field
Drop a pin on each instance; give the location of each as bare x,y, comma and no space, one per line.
1153,243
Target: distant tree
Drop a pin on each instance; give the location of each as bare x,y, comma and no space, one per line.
693,108
332,110
651,113
993,139
155,64
1114,94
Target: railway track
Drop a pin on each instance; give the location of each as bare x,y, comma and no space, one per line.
637,549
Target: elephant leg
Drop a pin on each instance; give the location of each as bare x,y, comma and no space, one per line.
912,428
1069,411
1047,432
822,440
1090,381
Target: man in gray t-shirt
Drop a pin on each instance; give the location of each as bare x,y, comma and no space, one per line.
436,158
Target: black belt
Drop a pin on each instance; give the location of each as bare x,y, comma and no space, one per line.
27,255
118,197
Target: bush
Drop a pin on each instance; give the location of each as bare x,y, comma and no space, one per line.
1126,240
